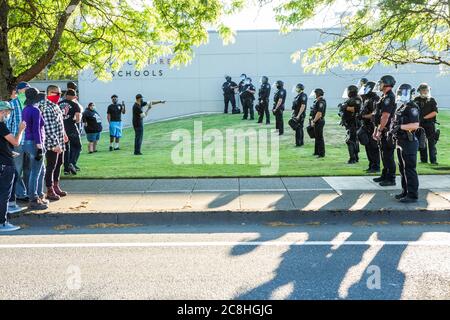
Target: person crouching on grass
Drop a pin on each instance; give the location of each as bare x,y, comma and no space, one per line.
7,168
138,121
92,126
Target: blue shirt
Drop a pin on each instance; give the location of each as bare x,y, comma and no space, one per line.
16,118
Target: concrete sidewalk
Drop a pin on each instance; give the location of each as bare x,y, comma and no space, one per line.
246,195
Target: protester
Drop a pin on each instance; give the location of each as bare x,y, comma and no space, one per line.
7,167
138,121
72,117
33,146
115,112
55,139
92,126
20,161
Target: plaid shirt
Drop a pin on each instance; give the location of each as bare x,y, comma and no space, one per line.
53,124
16,118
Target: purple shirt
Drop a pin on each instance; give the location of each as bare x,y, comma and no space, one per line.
35,124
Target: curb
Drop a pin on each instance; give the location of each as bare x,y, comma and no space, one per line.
370,218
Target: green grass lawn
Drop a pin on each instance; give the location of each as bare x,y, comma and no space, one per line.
157,148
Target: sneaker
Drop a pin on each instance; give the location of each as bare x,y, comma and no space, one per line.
76,167
408,199
115,149
52,195
14,208
138,154
58,190
8,227
351,161
72,169
37,204
111,149
67,173
43,199
387,183
400,196
379,179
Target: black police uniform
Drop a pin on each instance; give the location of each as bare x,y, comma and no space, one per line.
350,121
319,105
387,148
241,86
426,106
299,100
264,97
372,150
247,99
407,147
279,124
228,95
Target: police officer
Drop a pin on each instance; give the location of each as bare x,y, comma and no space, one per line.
349,112
228,88
362,82
428,112
263,100
299,107
384,113
241,86
247,98
317,120
368,124
279,99
402,130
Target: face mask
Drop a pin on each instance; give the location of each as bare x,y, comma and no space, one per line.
53,99
21,96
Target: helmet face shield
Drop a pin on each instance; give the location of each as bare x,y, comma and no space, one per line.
378,87
424,92
312,94
345,94
296,89
404,95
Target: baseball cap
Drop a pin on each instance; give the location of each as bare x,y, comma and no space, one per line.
139,96
114,96
22,85
4,105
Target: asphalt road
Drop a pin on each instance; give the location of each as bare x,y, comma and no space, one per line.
269,260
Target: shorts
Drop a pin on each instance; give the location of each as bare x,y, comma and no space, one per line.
93,137
115,129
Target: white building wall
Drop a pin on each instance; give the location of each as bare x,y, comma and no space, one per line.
197,87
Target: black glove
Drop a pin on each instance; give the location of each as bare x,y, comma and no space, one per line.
38,155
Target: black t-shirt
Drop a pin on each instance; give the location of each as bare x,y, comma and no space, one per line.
115,112
6,157
426,106
92,121
138,121
299,100
69,109
320,105
280,94
264,92
386,104
370,102
246,94
228,87
356,104
405,114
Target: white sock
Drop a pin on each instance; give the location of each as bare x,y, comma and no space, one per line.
117,145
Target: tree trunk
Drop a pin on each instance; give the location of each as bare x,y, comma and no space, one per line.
7,79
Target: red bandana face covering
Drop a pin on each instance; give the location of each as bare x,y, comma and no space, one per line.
53,99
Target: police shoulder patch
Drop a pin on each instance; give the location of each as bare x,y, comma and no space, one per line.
303,97
414,111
